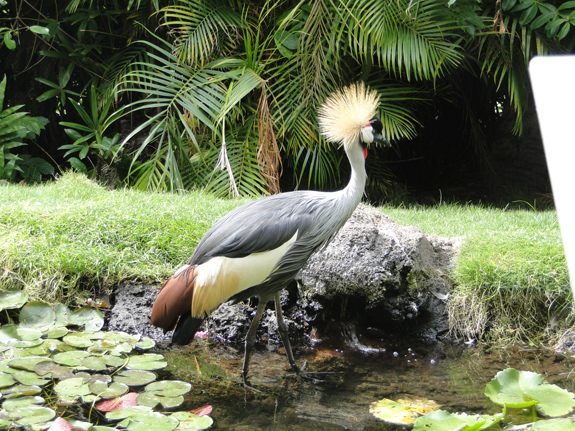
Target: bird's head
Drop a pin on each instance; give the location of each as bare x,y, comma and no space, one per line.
348,118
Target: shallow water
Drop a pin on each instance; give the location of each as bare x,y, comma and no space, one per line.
453,376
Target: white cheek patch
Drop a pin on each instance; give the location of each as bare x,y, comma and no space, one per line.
367,134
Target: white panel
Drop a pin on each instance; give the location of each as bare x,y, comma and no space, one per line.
553,82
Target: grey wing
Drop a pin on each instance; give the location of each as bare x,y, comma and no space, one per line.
256,227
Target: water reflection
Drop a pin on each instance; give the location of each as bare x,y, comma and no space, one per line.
352,378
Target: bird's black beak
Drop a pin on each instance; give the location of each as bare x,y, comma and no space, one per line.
378,137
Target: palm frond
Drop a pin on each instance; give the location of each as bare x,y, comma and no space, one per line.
202,28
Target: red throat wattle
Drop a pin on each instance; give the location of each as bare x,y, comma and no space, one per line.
365,153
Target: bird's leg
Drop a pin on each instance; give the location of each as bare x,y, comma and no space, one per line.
251,338
284,333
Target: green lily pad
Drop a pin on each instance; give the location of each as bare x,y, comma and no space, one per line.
70,390
52,369
82,339
27,363
130,412
72,358
554,425
30,378
28,334
192,422
168,393
14,403
56,332
101,390
63,314
31,415
441,420
147,361
135,377
403,411
520,389
145,343
6,380
38,315
11,299
21,391
152,421
9,336
88,317
100,363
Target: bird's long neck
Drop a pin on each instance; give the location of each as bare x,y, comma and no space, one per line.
351,195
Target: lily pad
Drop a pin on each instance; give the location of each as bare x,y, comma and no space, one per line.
72,358
554,425
147,361
153,421
21,391
168,393
191,422
82,339
6,380
119,403
398,412
51,368
101,390
38,315
9,336
31,415
100,363
441,420
14,403
135,377
88,317
11,299
31,378
27,363
56,332
72,389
129,412
63,314
520,389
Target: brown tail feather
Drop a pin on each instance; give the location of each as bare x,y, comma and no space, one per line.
174,299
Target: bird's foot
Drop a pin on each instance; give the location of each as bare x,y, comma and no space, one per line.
315,377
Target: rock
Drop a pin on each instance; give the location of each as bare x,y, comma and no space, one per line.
131,309
393,275
375,272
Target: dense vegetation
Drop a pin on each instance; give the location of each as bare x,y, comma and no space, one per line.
222,95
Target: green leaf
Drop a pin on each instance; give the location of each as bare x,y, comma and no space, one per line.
72,389
528,15
89,317
31,415
6,380
135,377
168,393
130,412
553,425
72,358
8,41
40,30
11,299
401,412
444,421
190,421
521,389
38,315
15,403
147,361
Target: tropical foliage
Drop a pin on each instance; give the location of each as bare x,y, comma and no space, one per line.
222,95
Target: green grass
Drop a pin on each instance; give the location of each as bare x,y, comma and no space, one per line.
65,239
72,236
511,276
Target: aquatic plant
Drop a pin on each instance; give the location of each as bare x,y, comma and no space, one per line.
510,388
56,365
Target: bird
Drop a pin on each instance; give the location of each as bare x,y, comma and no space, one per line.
257,249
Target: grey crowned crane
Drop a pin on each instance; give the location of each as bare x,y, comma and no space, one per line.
258,248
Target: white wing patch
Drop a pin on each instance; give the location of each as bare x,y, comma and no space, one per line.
222,277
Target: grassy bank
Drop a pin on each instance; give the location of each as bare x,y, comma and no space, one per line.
68,238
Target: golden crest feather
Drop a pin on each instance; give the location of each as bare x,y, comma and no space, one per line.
343,115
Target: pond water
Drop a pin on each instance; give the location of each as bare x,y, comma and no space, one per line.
356,376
